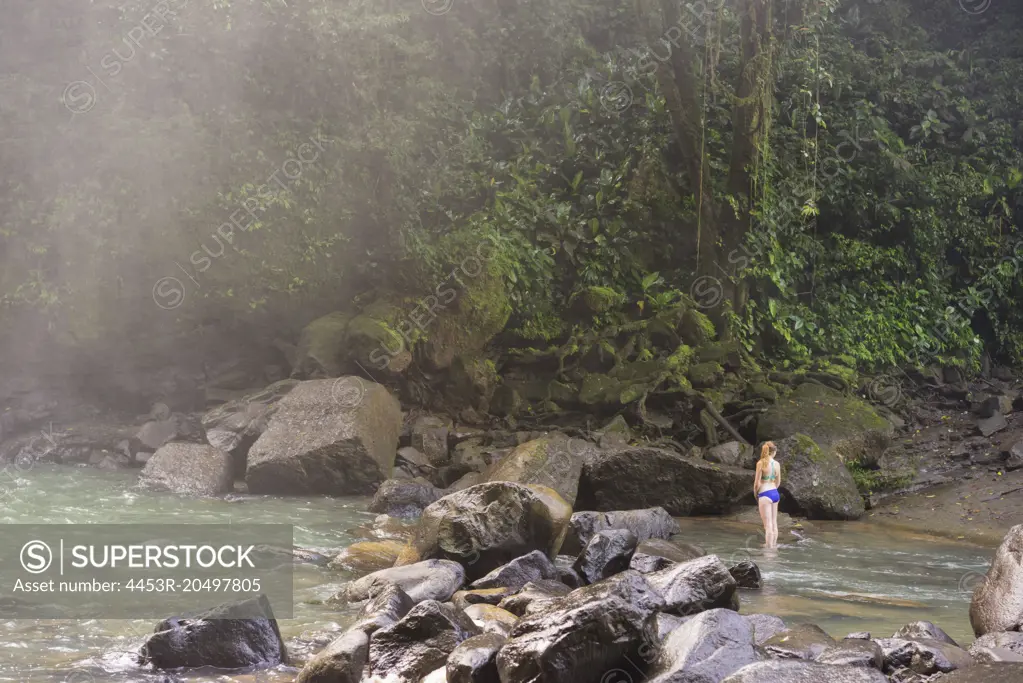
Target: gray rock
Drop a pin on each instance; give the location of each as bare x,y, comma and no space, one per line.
426,580
992,425
520,571
1006,640
420,642
747,575
656,554
188,468
607,553
475,660
733,454
708,647
323,439
579,637
651,523
795,671
858,635
986,673
924,629
232,636
492,619
994,654
403,498
695,586
340,662
802,641
430,437
853,652
816,480
390,601
565,564
483,596
997,603
764,626
554,460
923,655
234,426
533,592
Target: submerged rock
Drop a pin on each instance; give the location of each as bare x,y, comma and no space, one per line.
647,477
579,637
231,636
327,437
420,642
189,468
488,525
708,647
997,603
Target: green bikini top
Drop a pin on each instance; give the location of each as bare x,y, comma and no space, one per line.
771,476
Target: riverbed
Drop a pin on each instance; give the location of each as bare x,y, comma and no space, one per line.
842,576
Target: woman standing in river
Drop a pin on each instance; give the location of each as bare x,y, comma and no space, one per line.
765,490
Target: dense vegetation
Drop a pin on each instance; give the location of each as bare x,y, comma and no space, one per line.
821,177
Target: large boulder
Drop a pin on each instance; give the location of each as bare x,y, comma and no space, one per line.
321,347
420,642
426,580
708,647
650,523
648,477
555,461
796,671
532,566
232,636
188,468
488,525
234,426
850,427
815,482
333,437
998,601
340,662
404,498
579,637
695,586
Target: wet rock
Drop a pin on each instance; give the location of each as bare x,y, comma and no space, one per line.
666,624
802,641
1006,640
923,656
520,571
533,592
492,619
555,461
845,425
607,553
733,454
747,575
655,554
708,647
994,654
231,636
695,586
475,660
367,556
764,626
426,580
488,525
986,673
482,596
430,437
420,642
341,662
858,635
234,426
924,629
326,440
403,498
579,637
651,523
645,477
188,468
816,481
794,671
391,601
565,564
998,601
846,652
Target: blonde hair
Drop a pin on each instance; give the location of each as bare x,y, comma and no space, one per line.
767,450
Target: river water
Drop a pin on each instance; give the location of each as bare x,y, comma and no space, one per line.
842,576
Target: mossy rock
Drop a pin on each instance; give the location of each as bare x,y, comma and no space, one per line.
598,389
695,328
463,327
706,374
848,425
815,481
554,461
762,391
472,381
321,347
561,392
597,300
506,402
373,339
729,354
782,377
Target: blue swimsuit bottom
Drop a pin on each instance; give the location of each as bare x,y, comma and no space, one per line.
771,494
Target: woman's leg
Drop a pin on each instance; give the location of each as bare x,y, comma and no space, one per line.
774,522
765,516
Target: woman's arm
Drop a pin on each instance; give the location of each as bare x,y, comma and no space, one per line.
756,481
777,481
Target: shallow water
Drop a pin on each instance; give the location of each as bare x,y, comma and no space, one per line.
807,580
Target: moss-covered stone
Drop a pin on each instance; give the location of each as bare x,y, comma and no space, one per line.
373,339
560,392
705,374
848,425
763,391
506,402
599,389
600,299
726,353
696,329
473,381
815,482
321,347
